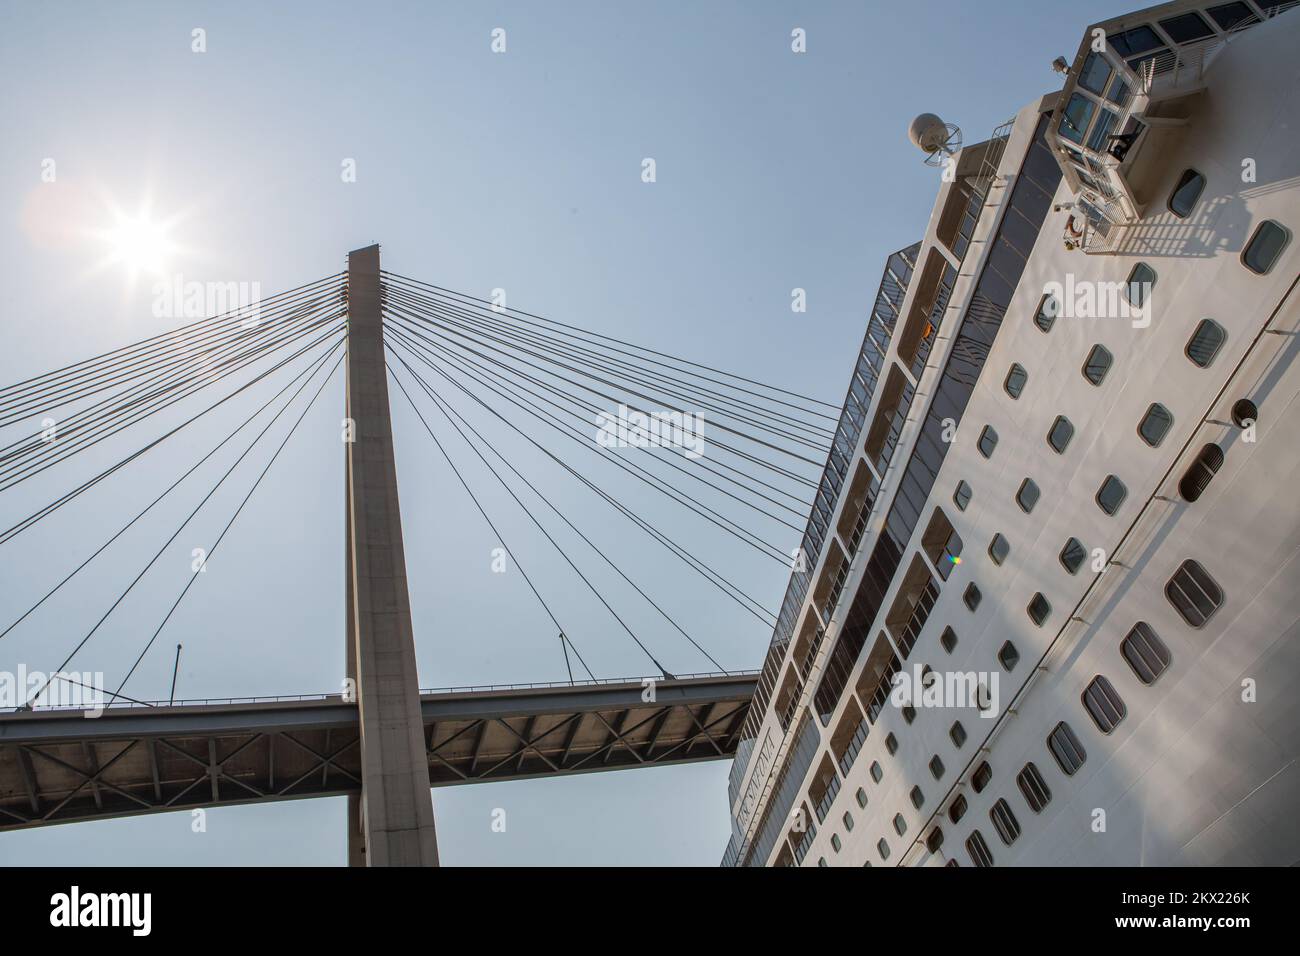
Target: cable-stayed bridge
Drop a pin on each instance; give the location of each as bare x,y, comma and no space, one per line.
458,363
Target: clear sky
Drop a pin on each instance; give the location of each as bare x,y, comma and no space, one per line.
475,170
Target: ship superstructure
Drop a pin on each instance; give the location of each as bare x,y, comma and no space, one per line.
1049,597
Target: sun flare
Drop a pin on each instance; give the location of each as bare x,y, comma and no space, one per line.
140,244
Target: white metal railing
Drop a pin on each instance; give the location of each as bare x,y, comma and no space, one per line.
294,698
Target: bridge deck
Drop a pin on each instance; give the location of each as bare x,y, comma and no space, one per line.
58,766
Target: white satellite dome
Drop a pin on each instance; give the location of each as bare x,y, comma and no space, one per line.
937,139
928,132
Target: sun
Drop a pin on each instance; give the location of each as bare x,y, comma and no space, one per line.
139,244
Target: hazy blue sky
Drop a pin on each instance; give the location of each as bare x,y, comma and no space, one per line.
476,171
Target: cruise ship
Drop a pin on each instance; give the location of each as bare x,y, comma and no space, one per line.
1047,602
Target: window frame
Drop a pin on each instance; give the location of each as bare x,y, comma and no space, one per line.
977,848
1031,781
1026,485
1039,599
1191,569
1104,704
1111,481
1132,281
1082,558
1004,821
1144,644
1005,551
1023,377
1041,315
1184,181
1097,350
1063,734
988,434
1058,421
1254,237
1169,423
956,495
1203,324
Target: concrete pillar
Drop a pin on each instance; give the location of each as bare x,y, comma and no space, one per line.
395,809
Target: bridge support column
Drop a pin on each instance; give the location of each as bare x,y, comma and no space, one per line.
391,824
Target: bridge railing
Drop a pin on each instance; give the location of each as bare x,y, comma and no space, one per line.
292,698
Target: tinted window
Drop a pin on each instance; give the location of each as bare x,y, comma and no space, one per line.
900,825
1155,424
1228,15
1183,199
999,548
1145,652
1034,787
1039,609
1008,656
936,767
1027,496
1137,40
1048,309
934,840
1073,555
1111,494
948,639
1016,379
1075,117
961,497
1104,704
988,441
1205,343
1265,246
1005,822
1097,364
958,733
1194,594
1186,28
1101,130
1067,750
1140,282
972,596
957,810
979,850
1095,73
981,777
1059,435
883,849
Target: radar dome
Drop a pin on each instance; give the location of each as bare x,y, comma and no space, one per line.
928,132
